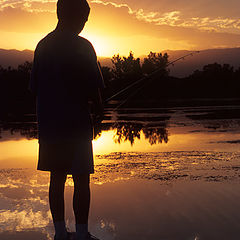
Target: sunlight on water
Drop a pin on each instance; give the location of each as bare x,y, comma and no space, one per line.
197,211
107,143
24,153
194,189
21,153
156,177
178,141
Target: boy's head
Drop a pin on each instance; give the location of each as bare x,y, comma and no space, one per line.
73,14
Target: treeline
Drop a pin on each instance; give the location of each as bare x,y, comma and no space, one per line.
213,81
127,70
15,97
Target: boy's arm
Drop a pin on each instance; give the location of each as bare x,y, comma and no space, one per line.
95,94
96,106
96,84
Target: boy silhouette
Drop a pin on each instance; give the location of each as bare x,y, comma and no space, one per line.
65,76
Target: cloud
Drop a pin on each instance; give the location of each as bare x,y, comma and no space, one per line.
17,19
170,23
178,19
169,17
189,8
122,5
196,32
29,5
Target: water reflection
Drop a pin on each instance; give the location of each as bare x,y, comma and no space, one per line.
154,127
168,166
24,204
27,130
222,119
156,135
179,195
132,131
190,194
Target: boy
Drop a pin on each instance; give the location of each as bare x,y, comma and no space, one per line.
65,76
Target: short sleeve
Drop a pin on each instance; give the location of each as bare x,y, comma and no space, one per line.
96,78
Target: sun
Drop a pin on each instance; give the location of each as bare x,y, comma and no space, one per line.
102,45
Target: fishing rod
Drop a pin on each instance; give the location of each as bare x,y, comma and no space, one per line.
147,77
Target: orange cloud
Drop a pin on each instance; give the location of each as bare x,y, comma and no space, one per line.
20,20
114,27
178,19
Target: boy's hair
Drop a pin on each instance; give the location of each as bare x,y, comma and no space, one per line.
72,10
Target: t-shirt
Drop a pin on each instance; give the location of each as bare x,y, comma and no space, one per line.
65,71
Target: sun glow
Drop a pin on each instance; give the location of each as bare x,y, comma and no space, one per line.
24,40
102,45
107,46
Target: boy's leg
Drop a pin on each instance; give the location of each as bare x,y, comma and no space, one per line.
56,200
81,203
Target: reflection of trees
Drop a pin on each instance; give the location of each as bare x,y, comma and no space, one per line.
156,135
132,131
97,132
128,131
28,130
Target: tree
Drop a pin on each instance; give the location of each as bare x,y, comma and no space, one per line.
25,67
126,68
218,71
155,61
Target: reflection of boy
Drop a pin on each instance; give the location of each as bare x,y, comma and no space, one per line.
65,76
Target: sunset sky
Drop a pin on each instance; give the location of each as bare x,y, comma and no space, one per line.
119,26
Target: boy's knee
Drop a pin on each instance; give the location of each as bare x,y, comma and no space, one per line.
58,177
81,180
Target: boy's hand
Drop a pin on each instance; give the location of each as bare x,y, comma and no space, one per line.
96,107
98,116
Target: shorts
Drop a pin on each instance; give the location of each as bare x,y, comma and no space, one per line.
67,157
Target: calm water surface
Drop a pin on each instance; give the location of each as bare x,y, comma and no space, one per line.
159,173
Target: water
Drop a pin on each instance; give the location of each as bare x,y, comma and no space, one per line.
160,173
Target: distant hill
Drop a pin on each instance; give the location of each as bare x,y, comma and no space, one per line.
185,67
14,57
180,69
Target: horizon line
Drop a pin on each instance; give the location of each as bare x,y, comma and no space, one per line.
162,51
